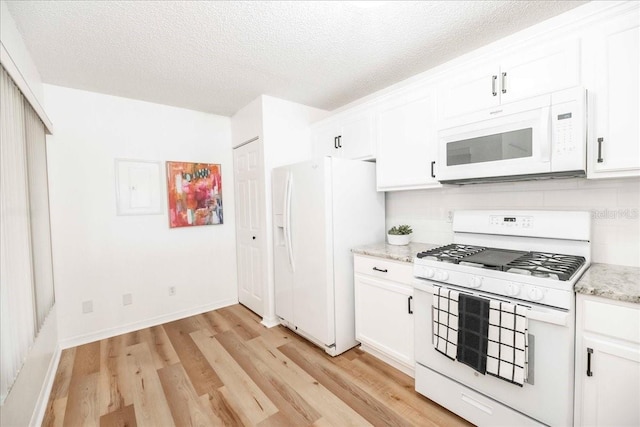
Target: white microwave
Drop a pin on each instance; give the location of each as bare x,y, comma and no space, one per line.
540,137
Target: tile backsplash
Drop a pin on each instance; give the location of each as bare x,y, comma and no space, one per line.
614,206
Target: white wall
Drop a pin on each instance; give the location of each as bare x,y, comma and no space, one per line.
614,204
100,256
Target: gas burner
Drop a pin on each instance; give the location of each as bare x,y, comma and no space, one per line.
552,266
541,274
452,253
537,264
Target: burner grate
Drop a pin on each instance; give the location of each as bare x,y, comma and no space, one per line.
452,253
548,264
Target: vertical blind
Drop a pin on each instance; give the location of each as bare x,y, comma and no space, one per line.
39,213
26,277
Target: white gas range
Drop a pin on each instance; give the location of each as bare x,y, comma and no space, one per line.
525,259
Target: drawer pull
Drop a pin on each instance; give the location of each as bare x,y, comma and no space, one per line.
380,270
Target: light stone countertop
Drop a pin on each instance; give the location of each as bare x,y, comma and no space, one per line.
616,282
404,253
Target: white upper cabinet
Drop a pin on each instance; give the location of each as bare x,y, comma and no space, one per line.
536,71
521,74
406,134
350,135
612,69
469,89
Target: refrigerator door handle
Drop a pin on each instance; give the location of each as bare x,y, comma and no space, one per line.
287,219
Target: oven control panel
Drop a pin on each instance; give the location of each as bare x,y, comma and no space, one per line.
514,221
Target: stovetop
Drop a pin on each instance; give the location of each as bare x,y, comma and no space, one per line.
538,264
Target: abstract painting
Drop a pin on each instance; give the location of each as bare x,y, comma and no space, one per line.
194,193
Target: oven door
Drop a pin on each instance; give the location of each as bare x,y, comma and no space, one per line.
508,141
547,396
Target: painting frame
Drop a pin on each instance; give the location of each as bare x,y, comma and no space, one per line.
194,194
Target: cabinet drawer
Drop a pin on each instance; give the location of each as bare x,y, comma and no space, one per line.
395,271
611,319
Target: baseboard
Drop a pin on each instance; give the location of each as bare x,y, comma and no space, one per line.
147,323
43,398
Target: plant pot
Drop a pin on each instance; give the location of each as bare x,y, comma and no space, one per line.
398,239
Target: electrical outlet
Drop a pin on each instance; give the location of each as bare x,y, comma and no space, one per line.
172,291
87,306
127,299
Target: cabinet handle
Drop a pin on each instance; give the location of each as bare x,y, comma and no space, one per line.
339,141
589,353
409,305
494,79
600,141
504,82
335,142
380,270
433,175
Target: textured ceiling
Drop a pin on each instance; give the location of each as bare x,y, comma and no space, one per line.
217,56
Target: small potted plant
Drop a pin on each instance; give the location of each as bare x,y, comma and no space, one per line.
399,235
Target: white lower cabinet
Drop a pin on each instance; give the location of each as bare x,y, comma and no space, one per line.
607,362
384,312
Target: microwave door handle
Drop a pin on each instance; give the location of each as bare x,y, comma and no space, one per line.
545,135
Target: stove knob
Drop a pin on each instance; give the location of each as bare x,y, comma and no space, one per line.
475,282
536,294
513,289
427,273
442,276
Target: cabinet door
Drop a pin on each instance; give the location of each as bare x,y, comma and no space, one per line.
383,320
407,139
614,149
611,394
357,134
468,91
540,70
323,137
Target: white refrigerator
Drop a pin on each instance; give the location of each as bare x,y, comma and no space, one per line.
321,209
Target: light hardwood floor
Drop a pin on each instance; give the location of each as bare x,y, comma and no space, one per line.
224,368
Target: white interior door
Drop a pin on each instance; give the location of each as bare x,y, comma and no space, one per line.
250,241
